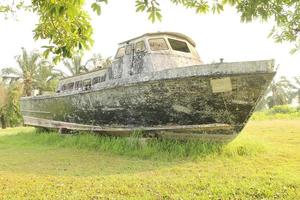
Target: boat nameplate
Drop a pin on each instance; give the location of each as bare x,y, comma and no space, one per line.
221,85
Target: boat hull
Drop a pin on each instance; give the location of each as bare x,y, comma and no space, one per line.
182,101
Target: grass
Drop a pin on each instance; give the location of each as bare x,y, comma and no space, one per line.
261,163
154,149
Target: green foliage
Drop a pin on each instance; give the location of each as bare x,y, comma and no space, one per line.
47,77
13,113
3,104
284,109
75,64
9,7
36,72
296,93
280,92
65,24
277,112
10,114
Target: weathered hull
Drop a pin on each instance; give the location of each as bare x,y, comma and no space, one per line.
220,100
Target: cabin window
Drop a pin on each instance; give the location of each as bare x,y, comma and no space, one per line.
99,79
128,50
140,46
70,86
87,84
96,80
78,85
121,52
102,78
63,87
158,44
179,45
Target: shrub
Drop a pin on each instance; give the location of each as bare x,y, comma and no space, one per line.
282,109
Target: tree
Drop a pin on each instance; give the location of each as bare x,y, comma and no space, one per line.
13,112
297,88
10,114
99,62
47,77
66,23
75,64
3,104
281,92
35,72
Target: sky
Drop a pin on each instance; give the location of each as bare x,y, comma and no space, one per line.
216,36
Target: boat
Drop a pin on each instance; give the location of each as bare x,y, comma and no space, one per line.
157,85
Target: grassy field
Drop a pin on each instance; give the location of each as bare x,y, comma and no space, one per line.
262,163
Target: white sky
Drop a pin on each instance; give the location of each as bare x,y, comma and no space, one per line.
216,36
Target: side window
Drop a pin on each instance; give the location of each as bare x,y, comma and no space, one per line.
99,79
128,49
140,46
96,80
158,44
179,45
78,85
87,84
70,86
102,78
121,52
64,87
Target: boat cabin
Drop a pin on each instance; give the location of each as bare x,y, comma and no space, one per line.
144,54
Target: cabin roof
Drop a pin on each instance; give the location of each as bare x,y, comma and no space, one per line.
179,35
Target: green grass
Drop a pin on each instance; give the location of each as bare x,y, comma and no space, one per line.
261,163
154,149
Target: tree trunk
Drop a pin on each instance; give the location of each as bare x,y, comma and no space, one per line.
3,122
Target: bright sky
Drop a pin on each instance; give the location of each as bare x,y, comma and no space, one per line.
216,36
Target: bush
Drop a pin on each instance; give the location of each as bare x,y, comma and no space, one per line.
277,112
282,109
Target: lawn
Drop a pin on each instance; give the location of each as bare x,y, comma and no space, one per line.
263,162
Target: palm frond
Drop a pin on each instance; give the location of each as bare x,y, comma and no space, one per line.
10,71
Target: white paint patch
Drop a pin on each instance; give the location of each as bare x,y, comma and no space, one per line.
183,109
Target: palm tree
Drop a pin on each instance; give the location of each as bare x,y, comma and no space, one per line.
75,65
297,88
281,92
28,64
47,77
33,70
99,62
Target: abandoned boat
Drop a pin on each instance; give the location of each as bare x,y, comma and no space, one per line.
157,83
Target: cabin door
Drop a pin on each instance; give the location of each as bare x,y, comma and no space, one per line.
137,58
